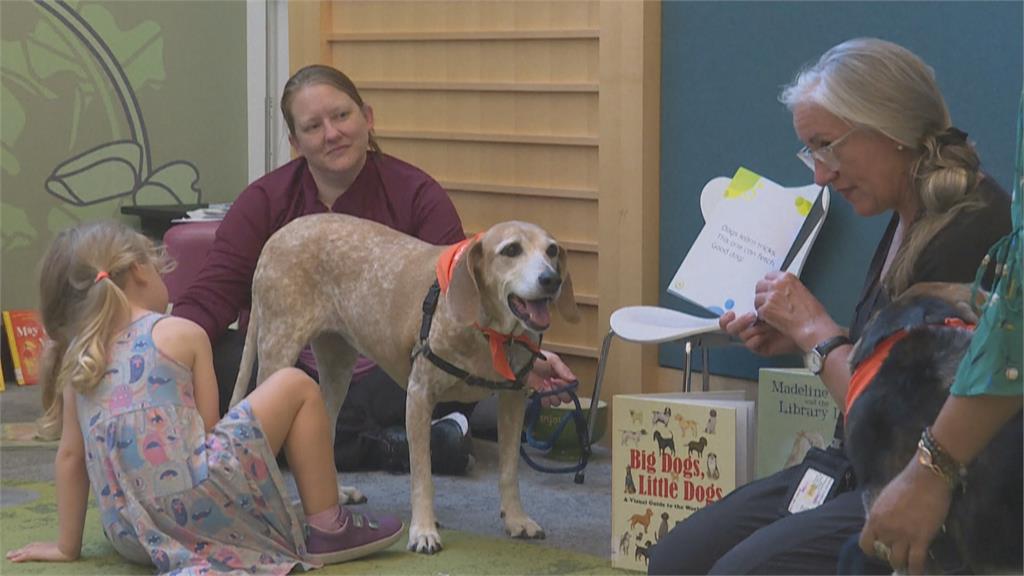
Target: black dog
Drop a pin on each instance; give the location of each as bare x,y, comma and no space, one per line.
665,443
983,528
697,446
642,552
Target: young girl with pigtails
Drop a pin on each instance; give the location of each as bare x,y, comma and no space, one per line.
177,488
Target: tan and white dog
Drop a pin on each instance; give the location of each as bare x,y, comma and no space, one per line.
351,286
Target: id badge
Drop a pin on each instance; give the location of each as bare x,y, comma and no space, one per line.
814,488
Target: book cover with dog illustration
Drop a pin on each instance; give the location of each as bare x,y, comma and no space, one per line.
25,337
794,413
673,454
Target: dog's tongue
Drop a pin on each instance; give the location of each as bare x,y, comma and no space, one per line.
538,311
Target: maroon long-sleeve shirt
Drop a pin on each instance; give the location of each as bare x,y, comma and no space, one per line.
387,190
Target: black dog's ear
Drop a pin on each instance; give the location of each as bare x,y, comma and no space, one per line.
463,292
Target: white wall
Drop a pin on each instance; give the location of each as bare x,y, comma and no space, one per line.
267,68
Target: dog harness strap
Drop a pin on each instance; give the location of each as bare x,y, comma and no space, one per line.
429,305
515,382
446,262
868,369
498,342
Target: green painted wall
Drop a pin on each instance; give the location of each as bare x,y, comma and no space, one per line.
106,104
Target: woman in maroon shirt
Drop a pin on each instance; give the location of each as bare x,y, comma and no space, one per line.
341,169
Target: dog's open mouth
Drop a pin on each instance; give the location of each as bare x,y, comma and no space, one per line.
533,313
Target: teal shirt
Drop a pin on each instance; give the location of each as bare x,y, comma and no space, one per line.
993,364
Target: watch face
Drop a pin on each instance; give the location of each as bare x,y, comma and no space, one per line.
812,361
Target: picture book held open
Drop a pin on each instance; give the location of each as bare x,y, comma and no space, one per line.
755,226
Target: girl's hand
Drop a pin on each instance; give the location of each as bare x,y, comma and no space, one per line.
39,552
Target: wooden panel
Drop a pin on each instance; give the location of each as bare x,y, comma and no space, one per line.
465,35
420,15
512,164
569,60
583,333
567,220
567,114
521,190
304,43
628,215
583,267
507,86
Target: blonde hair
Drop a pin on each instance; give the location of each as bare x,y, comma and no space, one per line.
81,307
884,87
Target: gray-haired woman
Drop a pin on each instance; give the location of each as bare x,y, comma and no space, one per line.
877,131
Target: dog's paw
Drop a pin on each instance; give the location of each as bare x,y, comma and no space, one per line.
350,495
424,541
523,527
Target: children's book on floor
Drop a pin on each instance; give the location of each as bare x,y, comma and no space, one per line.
750,231
795,412
673,454
25,338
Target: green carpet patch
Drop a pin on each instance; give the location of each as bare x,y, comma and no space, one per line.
36,519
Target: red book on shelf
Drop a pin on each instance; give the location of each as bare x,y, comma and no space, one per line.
25,336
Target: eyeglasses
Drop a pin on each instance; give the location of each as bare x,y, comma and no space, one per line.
826,154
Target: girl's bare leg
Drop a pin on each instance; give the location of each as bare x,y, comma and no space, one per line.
291,411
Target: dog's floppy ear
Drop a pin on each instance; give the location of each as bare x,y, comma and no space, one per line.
566,298
463,292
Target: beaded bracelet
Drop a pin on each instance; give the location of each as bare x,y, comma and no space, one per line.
932,456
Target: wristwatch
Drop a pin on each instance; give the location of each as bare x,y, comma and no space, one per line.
815,359
933,457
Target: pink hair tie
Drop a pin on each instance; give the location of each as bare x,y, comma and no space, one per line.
100,276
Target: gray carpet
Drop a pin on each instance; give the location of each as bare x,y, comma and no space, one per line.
575,517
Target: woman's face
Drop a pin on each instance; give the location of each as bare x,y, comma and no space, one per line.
331,131
873,174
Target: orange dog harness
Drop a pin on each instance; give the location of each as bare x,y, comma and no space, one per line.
498,341
868,369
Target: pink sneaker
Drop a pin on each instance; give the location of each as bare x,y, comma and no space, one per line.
359,535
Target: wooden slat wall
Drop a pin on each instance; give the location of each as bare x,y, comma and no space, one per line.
500,101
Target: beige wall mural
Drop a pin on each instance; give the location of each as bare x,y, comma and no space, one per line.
108,104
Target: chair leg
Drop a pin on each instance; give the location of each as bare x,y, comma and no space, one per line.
705,375
687,365
598,380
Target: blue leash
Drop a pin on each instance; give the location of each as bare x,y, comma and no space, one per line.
533,414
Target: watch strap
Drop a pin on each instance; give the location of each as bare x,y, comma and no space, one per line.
815,359
827,346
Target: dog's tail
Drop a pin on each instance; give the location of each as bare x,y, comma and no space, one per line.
248,356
